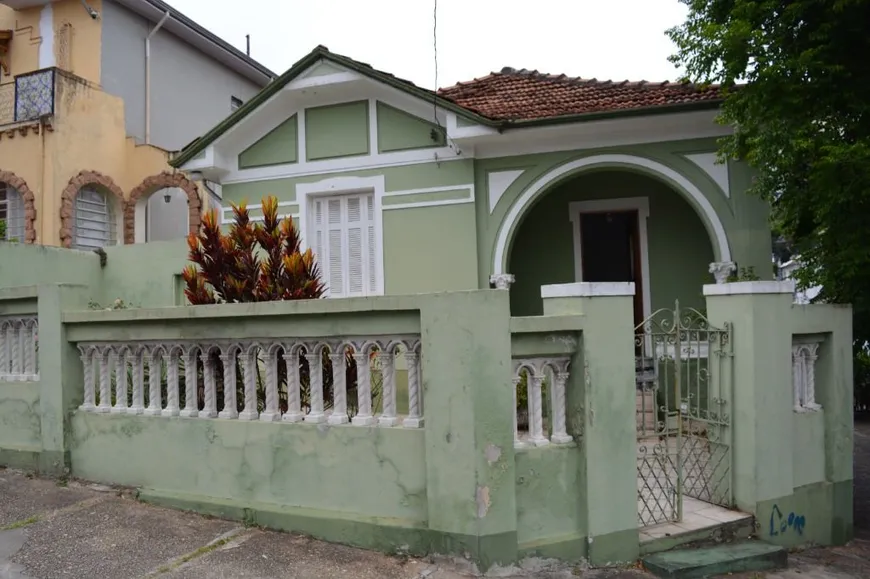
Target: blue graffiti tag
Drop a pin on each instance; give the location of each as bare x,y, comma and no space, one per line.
781,524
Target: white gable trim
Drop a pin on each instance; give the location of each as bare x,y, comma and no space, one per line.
497,182
683,185
718,172
321,81
346,185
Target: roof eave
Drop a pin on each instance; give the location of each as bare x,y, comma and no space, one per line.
245,60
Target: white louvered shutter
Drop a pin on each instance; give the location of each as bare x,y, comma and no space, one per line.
345,245
372,246
335,249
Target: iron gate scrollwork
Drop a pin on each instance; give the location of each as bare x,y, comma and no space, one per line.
684,384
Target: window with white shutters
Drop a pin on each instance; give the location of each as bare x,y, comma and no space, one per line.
12,212
94,223
344,243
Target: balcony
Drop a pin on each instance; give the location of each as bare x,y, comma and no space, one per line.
29,98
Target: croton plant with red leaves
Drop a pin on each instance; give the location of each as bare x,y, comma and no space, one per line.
252,262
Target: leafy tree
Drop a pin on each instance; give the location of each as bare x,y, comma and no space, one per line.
796,80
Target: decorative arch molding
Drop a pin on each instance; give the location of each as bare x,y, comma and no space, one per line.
657,170
27,199
68,199
164,180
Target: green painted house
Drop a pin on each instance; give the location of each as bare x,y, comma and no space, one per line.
517,177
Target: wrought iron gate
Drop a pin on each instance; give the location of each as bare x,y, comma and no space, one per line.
684,392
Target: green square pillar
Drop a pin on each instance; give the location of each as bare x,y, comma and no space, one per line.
762,403
61,380
609,439
471,488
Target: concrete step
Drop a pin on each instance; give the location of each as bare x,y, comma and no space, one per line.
713,561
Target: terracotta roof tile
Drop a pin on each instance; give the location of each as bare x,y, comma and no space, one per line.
525,95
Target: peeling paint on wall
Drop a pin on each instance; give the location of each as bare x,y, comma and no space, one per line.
493,453
482,501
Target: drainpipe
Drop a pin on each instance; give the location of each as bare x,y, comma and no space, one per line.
148,76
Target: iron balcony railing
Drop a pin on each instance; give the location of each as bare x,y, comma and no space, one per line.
30,97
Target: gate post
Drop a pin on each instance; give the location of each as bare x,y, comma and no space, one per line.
761,405
608,401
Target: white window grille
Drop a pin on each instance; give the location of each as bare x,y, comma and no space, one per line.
803,358
94,222
12,213
345,244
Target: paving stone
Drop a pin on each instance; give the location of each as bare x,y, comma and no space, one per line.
719,560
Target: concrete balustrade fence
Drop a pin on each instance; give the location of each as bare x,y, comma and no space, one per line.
289,381
426,423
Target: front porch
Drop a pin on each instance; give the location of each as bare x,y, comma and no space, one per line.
612,226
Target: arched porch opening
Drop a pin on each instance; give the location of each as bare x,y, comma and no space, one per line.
613,224
163,207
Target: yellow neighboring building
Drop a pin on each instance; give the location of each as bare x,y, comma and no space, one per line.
94,96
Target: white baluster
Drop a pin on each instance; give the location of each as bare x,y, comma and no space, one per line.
209,409
364,415
171,360
414,419
155,370
339,385
536,410
27,354
228,357
797,376
249,377
120,406
4,350
138,359
517,442
14,334
34,342
294,405
812,356
315,372
560,435
190,393
105,364
88,367
272,411
388,371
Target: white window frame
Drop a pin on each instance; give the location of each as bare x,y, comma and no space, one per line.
335,187
639,204
113,215
14,212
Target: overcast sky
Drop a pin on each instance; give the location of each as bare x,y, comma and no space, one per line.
604,39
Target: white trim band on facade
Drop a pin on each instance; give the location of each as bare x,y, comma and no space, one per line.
749,288
681,184
586,289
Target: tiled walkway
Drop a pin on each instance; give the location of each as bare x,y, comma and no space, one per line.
697,515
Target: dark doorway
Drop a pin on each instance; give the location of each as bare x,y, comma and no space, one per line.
610,248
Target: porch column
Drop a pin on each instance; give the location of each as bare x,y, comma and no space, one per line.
607,398
761,403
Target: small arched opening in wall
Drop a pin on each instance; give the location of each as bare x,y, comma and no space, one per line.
17,209
163,207
91,212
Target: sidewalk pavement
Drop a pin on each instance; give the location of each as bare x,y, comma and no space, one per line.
50,529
